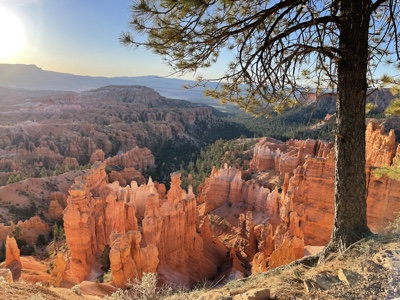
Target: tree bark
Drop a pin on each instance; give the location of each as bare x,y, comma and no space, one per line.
350,223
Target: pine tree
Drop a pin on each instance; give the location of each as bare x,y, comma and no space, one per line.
272,44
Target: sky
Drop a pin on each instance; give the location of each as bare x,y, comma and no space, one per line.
81,37
78,37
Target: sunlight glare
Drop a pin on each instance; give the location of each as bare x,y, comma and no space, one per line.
12,37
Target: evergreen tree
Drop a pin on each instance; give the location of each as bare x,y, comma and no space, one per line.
329,44
17,232
43,172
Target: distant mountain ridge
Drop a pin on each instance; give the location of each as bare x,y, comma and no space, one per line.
31,77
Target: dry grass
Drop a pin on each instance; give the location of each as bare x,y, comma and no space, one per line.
22,290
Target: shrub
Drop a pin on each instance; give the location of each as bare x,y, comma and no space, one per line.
77,289
41,240
393,171
394,227
145,289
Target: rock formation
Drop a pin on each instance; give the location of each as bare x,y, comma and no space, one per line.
100,213
226,186
380,148
302,214
138,158
85,221
30,229
12,251
129,260
68,129
58,273
309,192
97,155
270,154
172,227
96,208
232,226
58,202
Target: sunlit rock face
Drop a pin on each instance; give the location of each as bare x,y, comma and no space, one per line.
147,230
12,251
234,225
301,214
129,260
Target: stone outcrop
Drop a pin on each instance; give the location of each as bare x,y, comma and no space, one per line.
97,155
310,192
265,152
380,148
58,202
227,186
305,206
96,208
289,242
100,213
235,220
30,229
270,154
126,176
129,260
88,223
171,226
138,158
12,251
58,274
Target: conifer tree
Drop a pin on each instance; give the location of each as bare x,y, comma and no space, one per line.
279,49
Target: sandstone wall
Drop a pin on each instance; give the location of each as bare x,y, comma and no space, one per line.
227,186
100,213
270,154
305,207
311,190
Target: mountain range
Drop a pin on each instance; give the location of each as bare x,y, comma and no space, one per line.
32,77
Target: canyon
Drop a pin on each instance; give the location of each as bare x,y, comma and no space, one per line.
47,133
84,160
234,227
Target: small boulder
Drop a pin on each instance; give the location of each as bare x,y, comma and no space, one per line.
310,286
371,266
348,277
326,280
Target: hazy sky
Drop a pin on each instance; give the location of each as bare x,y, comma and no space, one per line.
79,37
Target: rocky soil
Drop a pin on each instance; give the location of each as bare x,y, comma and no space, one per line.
369,269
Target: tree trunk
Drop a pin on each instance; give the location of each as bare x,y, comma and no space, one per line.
350,223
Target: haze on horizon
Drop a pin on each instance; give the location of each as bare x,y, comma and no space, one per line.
76,37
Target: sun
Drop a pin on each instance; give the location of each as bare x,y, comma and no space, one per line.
12,38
